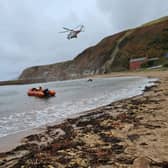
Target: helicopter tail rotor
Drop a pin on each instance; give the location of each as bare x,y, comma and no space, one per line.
82,28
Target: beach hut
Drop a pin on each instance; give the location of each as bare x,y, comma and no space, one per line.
136,63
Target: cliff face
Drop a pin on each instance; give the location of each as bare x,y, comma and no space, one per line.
110,54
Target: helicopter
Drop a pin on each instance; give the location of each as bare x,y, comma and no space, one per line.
72,32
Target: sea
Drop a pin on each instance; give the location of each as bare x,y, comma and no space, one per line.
19,112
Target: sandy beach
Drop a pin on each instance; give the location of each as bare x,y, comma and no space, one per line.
127,133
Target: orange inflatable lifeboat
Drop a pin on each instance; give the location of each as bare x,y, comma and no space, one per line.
40,93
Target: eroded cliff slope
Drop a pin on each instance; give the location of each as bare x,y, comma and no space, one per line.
110,54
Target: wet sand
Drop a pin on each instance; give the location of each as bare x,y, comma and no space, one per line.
10,142
127,133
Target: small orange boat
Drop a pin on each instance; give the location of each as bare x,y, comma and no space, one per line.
40,93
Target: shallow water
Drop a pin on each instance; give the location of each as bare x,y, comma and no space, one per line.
20,112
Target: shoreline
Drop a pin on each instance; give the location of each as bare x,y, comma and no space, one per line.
36,81
115,134
11,141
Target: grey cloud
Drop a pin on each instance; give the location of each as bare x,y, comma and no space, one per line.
131,13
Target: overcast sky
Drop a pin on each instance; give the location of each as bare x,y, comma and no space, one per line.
29,28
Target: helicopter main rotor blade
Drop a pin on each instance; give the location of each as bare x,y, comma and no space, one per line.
63,31
81,26
67,29
77,26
